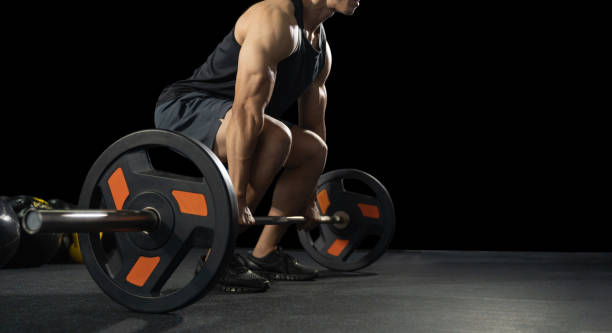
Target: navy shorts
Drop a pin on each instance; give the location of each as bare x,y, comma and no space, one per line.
196,114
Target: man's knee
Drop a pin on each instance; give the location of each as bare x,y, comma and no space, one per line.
308,148
317,148
276,138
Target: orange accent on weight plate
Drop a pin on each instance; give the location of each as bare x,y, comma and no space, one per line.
369,210
323,200
140,273
191,203
118,188
337,247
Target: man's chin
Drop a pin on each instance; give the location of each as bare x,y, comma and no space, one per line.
348,12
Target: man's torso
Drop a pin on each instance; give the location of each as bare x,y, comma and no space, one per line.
217,76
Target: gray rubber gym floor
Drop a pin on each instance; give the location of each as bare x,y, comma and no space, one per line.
405,291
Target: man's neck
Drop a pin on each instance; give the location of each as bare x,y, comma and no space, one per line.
315,12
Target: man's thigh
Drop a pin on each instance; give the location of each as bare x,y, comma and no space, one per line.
195,114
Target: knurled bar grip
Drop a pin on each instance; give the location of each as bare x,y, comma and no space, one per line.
294,219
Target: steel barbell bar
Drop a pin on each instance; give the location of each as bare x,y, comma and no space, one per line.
147,219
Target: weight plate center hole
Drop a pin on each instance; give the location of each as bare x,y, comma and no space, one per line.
345,217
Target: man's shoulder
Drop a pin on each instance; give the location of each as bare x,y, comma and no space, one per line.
271,12
270,20
281,7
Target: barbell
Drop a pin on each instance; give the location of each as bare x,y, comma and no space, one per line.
145,220
153,217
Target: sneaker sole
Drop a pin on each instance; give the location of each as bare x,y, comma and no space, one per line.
241,290
286,277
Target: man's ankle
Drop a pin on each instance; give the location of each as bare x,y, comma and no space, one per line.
260,252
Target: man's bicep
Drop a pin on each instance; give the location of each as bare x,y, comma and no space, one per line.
268,41
313,102
256,76
324,74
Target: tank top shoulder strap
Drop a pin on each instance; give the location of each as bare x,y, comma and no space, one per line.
323,48
323,37
299,12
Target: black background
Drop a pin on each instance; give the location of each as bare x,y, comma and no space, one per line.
464,113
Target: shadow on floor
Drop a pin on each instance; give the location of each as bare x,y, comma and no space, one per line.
44,313
324,274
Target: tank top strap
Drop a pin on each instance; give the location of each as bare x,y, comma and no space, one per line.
299,12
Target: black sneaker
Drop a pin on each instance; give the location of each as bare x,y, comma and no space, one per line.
279,265
238,278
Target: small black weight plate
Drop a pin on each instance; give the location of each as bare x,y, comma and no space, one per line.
38,249
196,212
338,247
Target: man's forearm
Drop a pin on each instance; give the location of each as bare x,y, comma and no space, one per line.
311,111
242,135
320,131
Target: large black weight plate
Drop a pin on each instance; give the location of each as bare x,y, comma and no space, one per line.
371,214
197,212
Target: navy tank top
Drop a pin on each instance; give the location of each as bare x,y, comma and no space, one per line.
217,76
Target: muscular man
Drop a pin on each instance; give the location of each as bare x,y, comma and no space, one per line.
275,55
